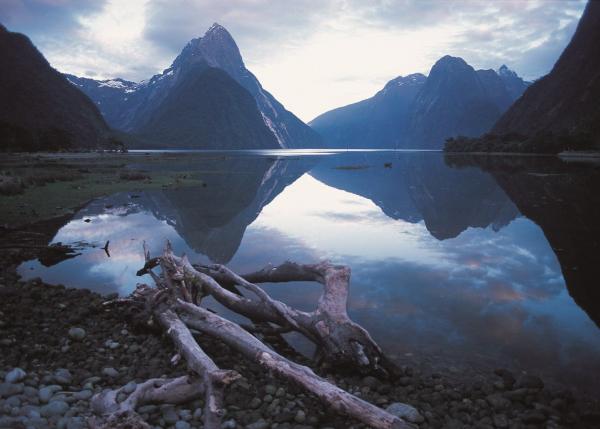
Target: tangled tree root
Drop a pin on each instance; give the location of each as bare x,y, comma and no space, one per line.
175,305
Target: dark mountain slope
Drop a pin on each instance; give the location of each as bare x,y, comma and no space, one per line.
419,112
377,122
514,84
208,109
454,101
108,95
40,109
566,100
218,49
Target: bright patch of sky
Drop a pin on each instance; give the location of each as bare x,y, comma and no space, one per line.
313,55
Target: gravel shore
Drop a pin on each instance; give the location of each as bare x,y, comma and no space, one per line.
60,346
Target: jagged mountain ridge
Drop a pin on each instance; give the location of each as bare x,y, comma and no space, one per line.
107,94
454,99
130,106
40,110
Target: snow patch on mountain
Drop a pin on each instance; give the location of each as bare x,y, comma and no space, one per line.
112,84
273,129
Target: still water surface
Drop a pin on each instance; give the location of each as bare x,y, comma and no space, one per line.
459,262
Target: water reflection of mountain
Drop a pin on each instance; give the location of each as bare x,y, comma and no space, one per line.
212,219
562,198
419,186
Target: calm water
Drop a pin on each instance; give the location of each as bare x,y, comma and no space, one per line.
458,262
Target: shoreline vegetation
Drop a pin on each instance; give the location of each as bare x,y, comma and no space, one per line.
36,187
539,144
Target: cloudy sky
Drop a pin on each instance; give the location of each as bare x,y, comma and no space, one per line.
313,55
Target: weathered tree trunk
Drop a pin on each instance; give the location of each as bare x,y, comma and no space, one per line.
116,414
249,346
174,305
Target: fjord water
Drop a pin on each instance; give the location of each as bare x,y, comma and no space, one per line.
457,262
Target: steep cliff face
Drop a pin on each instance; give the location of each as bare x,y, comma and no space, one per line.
566,100
40,109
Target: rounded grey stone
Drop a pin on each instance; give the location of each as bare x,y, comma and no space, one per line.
182,425
77,334
110,372
9,389
15,375
300,417
405,411
63,376
197,414
259,424
129,387
255,403
13,401
170,416
229,424
84,395
54,409
46,393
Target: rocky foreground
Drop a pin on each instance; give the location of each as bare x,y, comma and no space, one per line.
58,347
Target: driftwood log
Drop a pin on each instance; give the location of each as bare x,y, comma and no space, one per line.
174,304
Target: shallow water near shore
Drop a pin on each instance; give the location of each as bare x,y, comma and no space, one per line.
458,262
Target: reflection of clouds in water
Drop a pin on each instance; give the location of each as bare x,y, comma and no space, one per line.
499,294
97,271
360,229
262,246
482,293
437,315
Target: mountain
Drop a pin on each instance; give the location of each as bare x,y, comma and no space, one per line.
456,100
421,112
108,95
210,110
131,107
566,100
40,109
514,84
379,121
420,186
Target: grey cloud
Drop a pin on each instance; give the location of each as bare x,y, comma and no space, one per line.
494,32
488,33
259,25
42,18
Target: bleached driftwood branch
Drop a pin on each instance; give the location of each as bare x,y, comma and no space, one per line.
175,305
